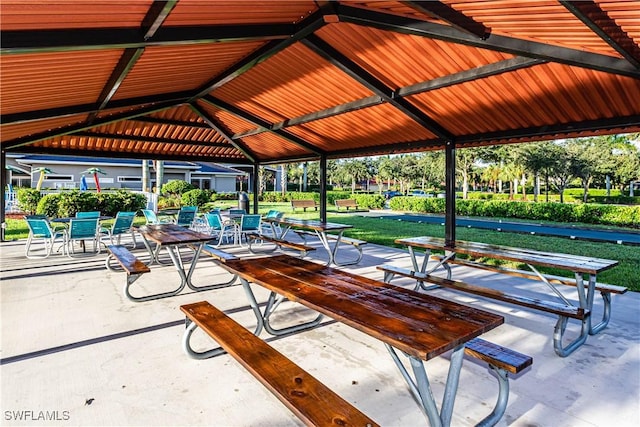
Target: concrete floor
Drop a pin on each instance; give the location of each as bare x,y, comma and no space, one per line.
75,351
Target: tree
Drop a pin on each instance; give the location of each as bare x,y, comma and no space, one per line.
95,171
535,158
466,159
560,170
43,171
357,169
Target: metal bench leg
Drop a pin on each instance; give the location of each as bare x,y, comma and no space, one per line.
272,303
186,344
503,397
606,316
558,334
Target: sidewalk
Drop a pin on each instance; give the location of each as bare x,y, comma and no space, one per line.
74,349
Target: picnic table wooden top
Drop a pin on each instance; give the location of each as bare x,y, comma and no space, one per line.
421,325
575,263
172,234
309,224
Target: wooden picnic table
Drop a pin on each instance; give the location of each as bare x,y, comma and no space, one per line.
420,326
172,236
585,270
321,229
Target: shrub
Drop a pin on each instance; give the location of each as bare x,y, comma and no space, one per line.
67,203
176,187
196,197
28,199
48,205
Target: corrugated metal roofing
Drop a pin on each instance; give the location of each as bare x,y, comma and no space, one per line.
284,80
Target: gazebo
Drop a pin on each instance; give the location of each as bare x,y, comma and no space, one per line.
284,81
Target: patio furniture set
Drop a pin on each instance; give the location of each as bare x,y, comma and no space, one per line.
410,322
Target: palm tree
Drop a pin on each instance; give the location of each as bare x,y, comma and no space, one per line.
43,171
95,171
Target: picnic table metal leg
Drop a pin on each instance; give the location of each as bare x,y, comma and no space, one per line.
558,334
421,390
272,303
422,268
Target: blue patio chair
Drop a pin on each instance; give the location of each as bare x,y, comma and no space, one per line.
267,227
82,229
249,224
39,228
187,216
89,214
152,218
121,225
219,228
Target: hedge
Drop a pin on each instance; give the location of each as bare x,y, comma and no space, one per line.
590,213
67,203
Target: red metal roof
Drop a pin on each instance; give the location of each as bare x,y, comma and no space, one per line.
268,81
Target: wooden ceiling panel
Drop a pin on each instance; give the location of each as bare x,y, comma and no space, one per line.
376,125
51,80
229,12
54,14
401,60
290,84
271,147
180,68
19,130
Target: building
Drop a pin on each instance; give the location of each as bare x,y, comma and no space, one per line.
67,171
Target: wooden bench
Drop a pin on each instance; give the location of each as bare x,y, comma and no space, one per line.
309,399
548,306
130,264
128,261
563,311
280,243
217,254
605,289
502,361
304,204
346,203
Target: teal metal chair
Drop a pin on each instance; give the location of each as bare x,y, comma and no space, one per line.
249,224
82,229
186,216
40,229
89,214
122,225
268,228
152,218
219,228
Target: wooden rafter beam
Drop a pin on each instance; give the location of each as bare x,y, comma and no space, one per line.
451,16
592,15
512,45
64,40
154,140
224,133
331,54
257,121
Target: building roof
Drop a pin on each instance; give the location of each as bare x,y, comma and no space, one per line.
197,167
290,80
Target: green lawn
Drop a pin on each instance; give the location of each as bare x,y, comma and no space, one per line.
385,232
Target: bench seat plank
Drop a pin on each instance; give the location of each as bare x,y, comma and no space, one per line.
548,306
602,287
128,261
217,254
304,204
280,243
309,399
498,356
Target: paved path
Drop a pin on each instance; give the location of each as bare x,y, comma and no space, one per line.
601,235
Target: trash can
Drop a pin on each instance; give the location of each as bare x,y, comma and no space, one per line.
243,201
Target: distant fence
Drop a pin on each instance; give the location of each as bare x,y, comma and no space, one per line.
10,202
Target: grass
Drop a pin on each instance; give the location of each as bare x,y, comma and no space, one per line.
385,232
